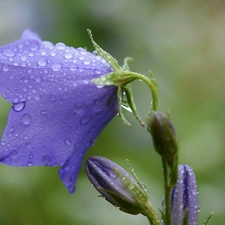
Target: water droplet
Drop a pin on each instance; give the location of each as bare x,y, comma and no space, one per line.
30,164
13,154
33,47
11,129
60,46
31,54
73,68
85,120
18,107
5,68
31,156
86,62
67,141
52,98
25,137
43,112
38,79
86,81
23,58
99,86
56,67
77,145
8,52
42,62
81,58
43,52
53,53
37,97
98,106
126,107
26,119
98,72
46,159
68,55
79,107
91,129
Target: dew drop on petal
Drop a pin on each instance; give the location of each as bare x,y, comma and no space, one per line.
56,67
13,154
81,58
60,46
43,112
67,141
33,47
42,62
53,53
85,120
38,79
52,98
86,62
11,129
8,52
23,58
5,67
30,164
37,97
18,106
26,119
68,55
91,129
46,159
79,108
98,106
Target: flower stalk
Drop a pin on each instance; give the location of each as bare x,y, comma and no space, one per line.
122,77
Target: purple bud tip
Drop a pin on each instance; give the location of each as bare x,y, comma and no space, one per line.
184,197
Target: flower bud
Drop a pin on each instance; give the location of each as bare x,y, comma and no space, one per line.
164,137
115,184
184,198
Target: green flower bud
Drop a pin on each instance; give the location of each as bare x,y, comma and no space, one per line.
164,137
116,185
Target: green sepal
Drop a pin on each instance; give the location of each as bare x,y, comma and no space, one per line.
208,218
112,61
131,103
121,203
120,107
140,184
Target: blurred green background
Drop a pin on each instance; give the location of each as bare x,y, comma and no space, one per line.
182,42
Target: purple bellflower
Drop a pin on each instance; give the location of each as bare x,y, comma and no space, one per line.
57,112
184,197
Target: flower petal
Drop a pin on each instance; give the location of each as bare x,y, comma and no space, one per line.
57,112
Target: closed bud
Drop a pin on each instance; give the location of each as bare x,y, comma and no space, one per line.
164,137
115,184
184,198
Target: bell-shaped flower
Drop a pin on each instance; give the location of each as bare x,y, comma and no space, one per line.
57,112
184,198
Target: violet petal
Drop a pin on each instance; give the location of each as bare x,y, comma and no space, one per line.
57,112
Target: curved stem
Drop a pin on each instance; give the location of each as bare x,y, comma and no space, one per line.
152,87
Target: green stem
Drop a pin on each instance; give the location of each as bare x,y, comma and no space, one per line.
152,87
150,213
167,193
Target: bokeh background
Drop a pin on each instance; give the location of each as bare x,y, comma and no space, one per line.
183,43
